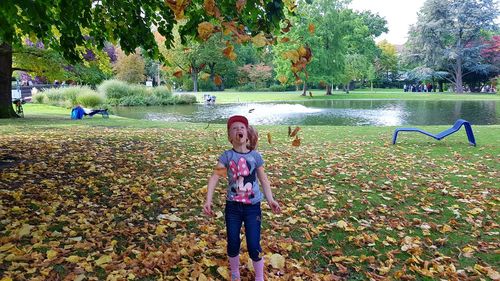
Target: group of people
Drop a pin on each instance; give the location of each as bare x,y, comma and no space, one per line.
418,87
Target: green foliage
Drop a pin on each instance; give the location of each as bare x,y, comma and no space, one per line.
90,99
448,37
70,96
125,94
130,68
115,89
39,97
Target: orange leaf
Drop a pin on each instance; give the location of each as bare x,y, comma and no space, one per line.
229,52
285,39
220,171
178,74
211,9
240,4
296,141
269,140
217,80
205,30
295,131
311,28
178,7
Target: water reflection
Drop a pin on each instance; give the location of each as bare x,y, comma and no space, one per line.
332,112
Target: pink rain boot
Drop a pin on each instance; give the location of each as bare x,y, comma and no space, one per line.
234,264
258,266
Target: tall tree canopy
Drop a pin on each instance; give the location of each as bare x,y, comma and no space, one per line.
63,25
447,36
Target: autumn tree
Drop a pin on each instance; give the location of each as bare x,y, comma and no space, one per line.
387,61
63,26
130,68
447,36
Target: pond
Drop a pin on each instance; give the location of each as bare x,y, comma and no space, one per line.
327,112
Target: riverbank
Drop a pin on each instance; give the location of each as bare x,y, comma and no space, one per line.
121,198
236,97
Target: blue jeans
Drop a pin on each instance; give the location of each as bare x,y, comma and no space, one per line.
251,215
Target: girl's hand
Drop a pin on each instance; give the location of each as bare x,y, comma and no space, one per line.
275,206
207,209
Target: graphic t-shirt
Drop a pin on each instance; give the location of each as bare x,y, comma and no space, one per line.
242,175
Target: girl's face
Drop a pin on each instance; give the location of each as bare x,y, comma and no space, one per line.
238,133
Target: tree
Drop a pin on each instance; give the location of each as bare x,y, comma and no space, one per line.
387,61
447,36
130,68
63,25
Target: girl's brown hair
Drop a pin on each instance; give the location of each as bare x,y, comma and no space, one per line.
253,138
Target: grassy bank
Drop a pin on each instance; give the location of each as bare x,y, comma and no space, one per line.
233,97
119,198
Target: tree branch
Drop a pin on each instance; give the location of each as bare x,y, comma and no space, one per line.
22,69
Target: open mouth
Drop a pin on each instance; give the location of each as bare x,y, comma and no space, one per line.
240,135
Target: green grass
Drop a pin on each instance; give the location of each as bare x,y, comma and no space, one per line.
108,179
229,96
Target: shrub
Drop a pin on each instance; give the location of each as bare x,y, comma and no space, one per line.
40,97
162,92
90,99
115,90
277,88
184,99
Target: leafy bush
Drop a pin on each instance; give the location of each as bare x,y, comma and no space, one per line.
90,99
54,96
162,92
277,88
184,99
115,89
39,97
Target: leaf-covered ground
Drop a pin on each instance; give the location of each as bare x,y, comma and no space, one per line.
106,203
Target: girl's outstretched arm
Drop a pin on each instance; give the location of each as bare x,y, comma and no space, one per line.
212,183
266,186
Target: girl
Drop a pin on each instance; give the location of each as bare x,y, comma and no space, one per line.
244,165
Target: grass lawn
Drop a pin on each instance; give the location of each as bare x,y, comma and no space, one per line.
121,199
232,96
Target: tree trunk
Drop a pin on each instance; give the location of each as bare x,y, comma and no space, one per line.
304,89
458,76
329,89
440,85
211,66
194,77
6,110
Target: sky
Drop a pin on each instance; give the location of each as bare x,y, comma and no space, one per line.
399,14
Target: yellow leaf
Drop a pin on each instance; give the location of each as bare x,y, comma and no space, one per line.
223,272
51,254
277,261
259,40
5,247
208,262
7,278
24,230
202,277
341,224
73,259
103,260
160,229
269,139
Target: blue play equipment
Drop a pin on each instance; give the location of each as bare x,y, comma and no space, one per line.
443,134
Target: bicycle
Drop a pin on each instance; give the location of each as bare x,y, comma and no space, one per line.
19,106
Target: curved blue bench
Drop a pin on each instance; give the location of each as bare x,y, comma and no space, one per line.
443,134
